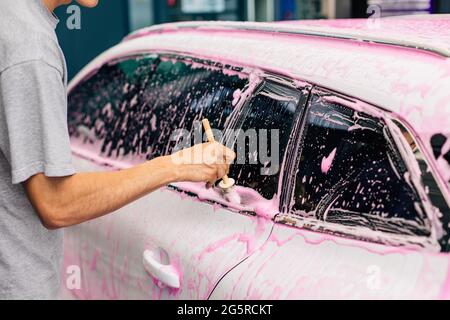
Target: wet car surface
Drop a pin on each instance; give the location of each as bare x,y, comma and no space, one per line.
359,204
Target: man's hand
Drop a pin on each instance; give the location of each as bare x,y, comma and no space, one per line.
62,202
207,162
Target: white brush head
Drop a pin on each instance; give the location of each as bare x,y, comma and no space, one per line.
227,185
228,191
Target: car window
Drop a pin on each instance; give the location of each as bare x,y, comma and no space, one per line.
351,175
133,106
265,127
429,182
441,153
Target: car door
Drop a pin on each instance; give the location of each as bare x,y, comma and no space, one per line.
177,242
364,219
124,114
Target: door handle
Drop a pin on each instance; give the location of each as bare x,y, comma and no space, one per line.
165,273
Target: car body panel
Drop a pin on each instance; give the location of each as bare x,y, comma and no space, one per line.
203,243
214,241
302,264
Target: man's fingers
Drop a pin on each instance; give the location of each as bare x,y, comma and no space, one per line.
224,154
222,170
213,159
230,155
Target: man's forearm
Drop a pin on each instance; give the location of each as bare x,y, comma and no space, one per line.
62,202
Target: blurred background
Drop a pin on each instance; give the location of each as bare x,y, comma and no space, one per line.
106,25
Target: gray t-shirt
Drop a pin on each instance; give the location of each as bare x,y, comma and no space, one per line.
33,139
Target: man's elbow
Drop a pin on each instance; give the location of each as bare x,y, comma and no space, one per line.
44,195
53,224
52,218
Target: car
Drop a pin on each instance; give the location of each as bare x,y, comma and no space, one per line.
358,206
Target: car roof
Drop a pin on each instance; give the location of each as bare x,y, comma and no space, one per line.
401,65
422,32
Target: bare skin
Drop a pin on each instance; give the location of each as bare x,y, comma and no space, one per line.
53,4
67,201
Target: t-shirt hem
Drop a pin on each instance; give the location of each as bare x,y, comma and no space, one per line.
49,170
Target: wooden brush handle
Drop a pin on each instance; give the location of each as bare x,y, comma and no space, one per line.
210,137
208,130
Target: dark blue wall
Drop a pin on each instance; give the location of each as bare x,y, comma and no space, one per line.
101,28
442,6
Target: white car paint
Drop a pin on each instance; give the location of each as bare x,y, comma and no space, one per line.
203,242
296,263
241,254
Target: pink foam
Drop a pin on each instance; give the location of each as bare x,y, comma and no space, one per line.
327,162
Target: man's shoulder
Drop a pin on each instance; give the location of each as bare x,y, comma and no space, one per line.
14,52
22,40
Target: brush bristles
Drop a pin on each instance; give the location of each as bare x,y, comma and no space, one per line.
231,196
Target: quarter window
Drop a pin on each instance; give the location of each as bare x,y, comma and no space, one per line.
430,184
350,173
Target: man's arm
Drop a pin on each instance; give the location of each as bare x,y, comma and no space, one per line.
63,202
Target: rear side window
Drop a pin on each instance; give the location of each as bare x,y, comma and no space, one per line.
132,106
351,175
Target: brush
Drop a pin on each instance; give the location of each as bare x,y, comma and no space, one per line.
227,183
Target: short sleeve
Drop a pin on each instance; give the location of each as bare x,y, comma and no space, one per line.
33,121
